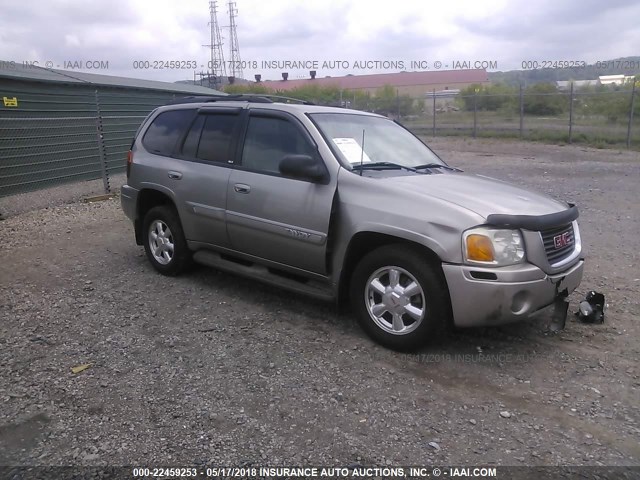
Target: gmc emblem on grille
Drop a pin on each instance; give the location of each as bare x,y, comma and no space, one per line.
561,240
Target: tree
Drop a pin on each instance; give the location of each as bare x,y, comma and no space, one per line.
489,97
544,99
315,94
248,88
387,101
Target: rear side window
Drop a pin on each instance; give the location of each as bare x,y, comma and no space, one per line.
165,131
215,140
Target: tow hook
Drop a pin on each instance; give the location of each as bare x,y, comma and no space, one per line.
560,309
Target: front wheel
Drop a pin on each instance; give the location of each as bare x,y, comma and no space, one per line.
400,297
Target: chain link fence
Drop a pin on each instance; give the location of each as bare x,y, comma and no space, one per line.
597,118
57,136
600,116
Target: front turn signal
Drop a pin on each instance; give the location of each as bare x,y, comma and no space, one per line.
479,248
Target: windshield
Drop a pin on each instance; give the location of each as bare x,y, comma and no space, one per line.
384,140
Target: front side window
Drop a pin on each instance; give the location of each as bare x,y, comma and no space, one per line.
165,131
269,140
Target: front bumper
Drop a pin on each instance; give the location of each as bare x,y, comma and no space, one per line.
516,292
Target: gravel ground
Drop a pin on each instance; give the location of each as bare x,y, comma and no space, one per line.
54,196
210,368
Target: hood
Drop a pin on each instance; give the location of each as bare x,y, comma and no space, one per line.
482,195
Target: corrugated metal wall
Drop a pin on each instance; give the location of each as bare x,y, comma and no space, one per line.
61,133
120,116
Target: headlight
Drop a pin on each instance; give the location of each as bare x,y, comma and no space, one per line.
491,247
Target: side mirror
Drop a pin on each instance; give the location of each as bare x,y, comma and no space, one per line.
303,167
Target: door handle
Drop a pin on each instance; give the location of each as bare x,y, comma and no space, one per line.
175,175
242,188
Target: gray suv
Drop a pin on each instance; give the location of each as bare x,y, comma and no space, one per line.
345,205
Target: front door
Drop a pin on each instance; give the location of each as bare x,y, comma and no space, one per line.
270,216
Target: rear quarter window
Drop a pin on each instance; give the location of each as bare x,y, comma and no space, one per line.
165,131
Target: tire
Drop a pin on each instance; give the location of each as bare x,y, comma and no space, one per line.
164,242
391,316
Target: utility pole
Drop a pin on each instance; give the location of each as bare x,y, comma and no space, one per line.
236,62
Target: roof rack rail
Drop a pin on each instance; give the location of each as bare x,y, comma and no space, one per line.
255,98
218,98
287,99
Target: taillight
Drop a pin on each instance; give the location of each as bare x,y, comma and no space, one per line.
129,162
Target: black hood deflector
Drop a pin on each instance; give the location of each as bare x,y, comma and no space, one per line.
535,222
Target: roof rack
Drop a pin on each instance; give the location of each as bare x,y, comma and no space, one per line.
219,98
288,99
237,98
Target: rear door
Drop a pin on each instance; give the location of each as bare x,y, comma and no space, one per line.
272,217
200,182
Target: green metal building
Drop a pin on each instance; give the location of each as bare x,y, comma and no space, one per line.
60,126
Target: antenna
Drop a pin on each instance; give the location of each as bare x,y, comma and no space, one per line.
217,68
362,153
236,63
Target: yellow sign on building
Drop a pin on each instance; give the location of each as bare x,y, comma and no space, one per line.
10,102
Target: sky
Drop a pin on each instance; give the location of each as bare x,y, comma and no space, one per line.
138,38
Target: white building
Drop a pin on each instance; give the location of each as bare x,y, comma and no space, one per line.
614,79
577,84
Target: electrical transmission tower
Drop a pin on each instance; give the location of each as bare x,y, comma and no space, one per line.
217,68
236,63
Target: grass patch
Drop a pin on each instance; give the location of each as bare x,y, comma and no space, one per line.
596,139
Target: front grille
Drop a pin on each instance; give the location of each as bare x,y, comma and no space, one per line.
556,253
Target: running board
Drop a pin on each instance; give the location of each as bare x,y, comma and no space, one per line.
312,288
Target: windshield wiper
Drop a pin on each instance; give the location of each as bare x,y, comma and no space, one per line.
381,165
436,165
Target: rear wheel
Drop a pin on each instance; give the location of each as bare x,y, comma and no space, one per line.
164,241
399,297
